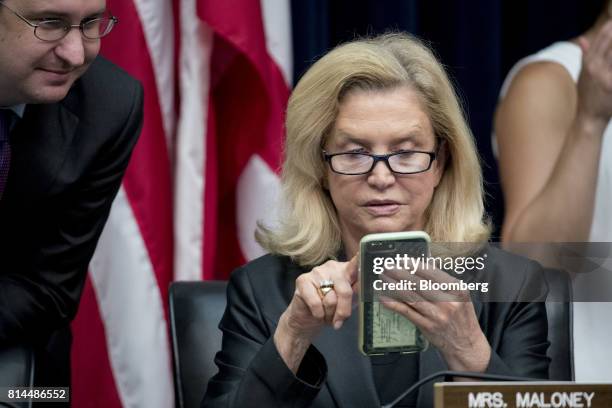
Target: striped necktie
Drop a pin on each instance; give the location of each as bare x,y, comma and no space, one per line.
5,148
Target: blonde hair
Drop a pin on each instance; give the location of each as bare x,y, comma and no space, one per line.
309,229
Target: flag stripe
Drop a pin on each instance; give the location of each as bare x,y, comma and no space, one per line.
158,27
210,199
93,383
277,24
196,47
133,312
147,179
253,206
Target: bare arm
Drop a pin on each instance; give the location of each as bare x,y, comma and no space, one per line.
550,135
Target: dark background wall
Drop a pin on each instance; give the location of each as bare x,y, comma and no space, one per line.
477,40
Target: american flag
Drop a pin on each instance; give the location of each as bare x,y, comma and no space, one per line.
216,75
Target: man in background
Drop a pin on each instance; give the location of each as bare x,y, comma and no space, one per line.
68,123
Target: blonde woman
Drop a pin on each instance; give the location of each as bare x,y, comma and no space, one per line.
376,142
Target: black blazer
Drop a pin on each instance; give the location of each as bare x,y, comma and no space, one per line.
67,164
252,374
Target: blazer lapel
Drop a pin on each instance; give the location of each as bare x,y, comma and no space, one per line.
40,143
349,377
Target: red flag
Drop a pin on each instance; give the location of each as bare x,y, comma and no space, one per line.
197,210
121,346
243,99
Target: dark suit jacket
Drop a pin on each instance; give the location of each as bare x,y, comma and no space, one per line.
252,374
67,164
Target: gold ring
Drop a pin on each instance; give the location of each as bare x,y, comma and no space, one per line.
325,286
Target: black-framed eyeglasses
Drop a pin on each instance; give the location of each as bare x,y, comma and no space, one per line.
403,162
55,29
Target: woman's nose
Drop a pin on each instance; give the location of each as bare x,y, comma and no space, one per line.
381,176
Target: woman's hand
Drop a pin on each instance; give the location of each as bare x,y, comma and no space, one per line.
447,319
595,81
310,310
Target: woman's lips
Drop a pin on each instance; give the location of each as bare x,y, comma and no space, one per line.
382,208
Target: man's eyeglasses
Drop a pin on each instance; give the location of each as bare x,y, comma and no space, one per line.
404,162
55,29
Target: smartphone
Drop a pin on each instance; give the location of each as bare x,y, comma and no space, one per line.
383,331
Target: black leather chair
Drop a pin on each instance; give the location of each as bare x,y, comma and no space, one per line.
195,311
16,369
197,307
559,313
45,363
